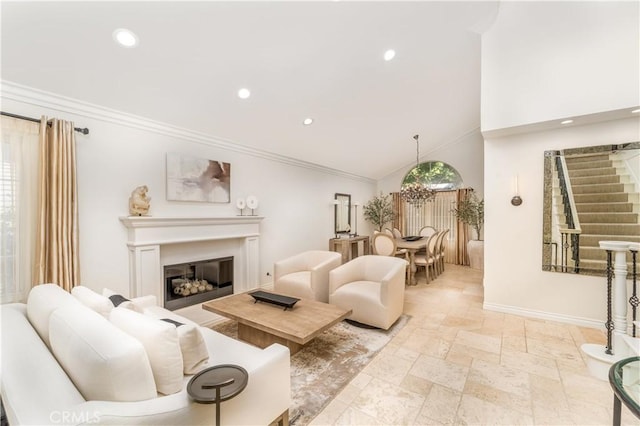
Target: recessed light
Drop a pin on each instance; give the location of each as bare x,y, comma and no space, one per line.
389,54
244,93
566,122
635,111
307,121
125,38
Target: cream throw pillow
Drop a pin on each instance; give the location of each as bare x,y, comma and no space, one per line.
93,300
160,340
192,345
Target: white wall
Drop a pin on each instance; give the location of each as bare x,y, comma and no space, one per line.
464,154
513,277
115,157
541,62
547,60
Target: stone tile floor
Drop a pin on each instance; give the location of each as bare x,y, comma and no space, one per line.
455,363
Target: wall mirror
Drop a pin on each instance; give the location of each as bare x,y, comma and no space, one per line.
342,204
591,194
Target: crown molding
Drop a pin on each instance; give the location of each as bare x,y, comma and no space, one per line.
41,98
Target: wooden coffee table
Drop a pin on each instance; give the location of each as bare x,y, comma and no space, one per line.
262,324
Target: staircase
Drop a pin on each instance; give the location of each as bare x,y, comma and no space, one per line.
607,203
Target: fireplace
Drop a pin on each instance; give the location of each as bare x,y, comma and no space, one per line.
190,283
156,241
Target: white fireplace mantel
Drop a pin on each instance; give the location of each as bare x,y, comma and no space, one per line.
145,230
146,235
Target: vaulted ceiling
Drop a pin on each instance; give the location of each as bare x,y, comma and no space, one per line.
322,60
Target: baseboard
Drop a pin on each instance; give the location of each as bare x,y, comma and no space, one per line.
550,316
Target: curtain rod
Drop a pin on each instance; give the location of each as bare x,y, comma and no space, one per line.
84,131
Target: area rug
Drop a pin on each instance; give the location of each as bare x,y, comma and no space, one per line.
327,364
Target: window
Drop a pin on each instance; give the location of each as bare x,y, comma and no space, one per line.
436,175
18,206
445,180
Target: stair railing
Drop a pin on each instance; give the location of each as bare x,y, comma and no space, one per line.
571,235
617,286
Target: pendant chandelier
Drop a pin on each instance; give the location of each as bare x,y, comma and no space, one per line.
417,193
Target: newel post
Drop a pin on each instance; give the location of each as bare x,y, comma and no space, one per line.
619,249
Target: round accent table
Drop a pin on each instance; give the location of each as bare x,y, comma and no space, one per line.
216,384
624,377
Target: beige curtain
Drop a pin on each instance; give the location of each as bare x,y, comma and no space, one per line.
463,231
398,210
19,204
57,257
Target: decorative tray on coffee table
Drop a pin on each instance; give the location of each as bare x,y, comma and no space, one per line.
275,299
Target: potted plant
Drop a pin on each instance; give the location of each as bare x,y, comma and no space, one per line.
470,211
378,211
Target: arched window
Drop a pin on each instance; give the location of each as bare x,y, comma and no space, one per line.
434,174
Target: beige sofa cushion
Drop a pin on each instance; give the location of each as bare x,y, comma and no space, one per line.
43,300
102,361
160,340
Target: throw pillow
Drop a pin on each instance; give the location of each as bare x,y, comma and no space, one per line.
93,300
118,300
160,340
192,344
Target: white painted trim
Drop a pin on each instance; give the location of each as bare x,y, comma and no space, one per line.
549,316
32,96
158,221
152,230
555,124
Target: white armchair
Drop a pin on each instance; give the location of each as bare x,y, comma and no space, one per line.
306,275
372,287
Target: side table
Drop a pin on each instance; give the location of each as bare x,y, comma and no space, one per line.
624,378
216,384
349,247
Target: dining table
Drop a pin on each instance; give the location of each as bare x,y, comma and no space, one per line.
412,245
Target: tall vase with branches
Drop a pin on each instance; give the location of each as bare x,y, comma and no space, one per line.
379,211
470,210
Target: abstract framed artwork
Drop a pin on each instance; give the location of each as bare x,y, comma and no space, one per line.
198,179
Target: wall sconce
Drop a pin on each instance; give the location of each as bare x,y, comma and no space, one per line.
516,200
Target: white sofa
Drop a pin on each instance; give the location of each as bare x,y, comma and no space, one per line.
39,337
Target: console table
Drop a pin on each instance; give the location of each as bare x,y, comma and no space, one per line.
350,247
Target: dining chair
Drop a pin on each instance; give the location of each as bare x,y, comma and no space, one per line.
396,233
385,245
440,249
427,259
398,252
427,231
